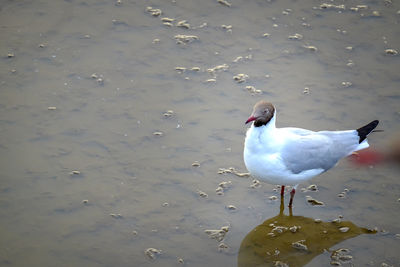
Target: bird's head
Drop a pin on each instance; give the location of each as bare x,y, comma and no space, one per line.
263,112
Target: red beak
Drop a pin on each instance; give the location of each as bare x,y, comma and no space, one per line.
252,118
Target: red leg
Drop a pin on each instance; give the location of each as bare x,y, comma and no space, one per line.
282,190
291,197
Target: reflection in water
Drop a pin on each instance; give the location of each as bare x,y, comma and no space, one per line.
293,240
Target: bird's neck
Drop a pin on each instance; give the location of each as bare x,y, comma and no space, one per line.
264,133
262,138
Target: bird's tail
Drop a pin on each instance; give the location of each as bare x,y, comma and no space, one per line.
366,130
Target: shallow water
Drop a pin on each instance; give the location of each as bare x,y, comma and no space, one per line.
84,86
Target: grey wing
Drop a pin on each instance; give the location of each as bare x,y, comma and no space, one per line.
299,131
310,152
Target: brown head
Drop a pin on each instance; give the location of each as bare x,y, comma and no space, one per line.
263,112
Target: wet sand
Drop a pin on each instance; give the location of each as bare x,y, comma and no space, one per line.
116,117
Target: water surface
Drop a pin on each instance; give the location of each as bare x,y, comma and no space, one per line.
85,85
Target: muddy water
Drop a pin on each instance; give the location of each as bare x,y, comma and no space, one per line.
94,171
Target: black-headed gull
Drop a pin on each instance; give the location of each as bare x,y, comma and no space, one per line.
290,156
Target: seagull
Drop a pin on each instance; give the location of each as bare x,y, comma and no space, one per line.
290,156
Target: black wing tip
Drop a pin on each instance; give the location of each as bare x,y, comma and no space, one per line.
366,130
374,122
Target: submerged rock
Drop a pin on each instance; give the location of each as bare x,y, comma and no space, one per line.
299,245
314,202
218,234
152,252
